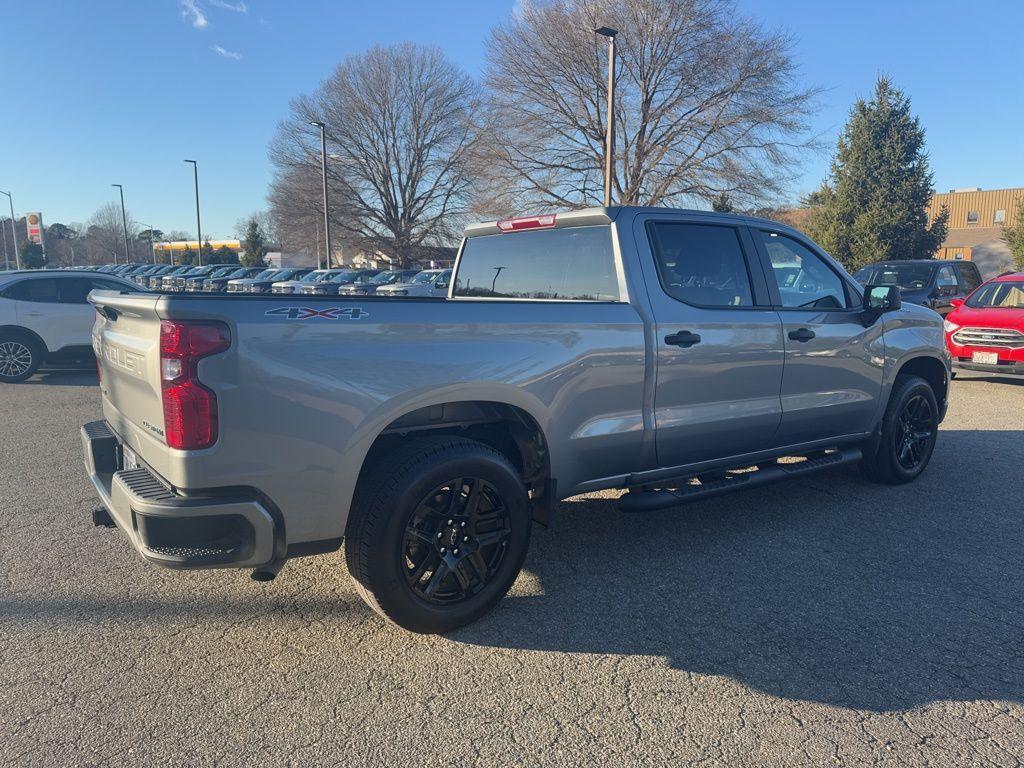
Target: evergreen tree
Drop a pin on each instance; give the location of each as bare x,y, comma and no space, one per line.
1014,237
31,255
722,203
188,256
225,255
254,244
206,250
873,206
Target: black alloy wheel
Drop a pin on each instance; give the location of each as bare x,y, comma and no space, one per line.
916,433
455,540
437,532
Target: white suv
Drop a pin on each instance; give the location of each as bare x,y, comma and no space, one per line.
45,318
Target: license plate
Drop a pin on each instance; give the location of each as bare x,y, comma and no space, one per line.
985,358
131,461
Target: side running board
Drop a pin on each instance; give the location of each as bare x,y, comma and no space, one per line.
662,498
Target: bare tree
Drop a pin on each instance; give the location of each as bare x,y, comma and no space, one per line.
105,233
707,103
401,122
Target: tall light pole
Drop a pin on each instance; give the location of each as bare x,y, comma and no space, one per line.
199,226
323,173
124,224
609,139
3,236
152,250
14,235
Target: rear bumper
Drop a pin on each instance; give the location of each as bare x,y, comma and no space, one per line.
168,528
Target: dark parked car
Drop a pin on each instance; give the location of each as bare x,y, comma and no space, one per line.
332,286
262,282
194,281
933,283
176,283
387,277
218,281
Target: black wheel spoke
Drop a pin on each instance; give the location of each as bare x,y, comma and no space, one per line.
421,536
473,502
428,562
463,576
455,501
494,537
440,574
477,561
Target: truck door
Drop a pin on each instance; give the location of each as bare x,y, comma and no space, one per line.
833,373
718,340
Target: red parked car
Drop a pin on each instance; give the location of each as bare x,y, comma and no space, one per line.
985,331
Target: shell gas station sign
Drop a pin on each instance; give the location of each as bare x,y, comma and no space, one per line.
34,225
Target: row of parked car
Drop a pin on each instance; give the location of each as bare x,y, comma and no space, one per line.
232,278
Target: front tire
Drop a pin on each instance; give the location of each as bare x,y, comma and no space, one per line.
908,433
19,358
438,533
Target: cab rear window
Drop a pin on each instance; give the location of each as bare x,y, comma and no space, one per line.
567,264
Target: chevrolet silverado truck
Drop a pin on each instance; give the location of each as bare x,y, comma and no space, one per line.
673,354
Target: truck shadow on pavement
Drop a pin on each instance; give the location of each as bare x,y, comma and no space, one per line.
831,589
65,377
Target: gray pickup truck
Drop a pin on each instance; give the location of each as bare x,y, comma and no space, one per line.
674,354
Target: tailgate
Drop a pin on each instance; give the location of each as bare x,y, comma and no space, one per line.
126,339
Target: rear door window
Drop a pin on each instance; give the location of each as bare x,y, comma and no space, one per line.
701,264
43,290
969,277
565,264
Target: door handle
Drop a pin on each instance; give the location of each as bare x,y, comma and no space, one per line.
682,339
801,334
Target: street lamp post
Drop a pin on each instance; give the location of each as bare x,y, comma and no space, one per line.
199,226
3,235
152,250
609,139
323,173
124,224
13,235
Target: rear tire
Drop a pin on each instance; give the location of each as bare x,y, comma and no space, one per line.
908,433
438,533
20,357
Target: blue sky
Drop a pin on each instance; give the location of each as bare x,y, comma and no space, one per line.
123,90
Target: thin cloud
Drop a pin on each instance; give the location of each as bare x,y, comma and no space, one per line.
236,7
233,55
192,13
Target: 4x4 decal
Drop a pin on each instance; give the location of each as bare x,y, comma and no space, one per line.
331,313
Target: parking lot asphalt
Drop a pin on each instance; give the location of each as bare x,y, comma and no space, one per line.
825,622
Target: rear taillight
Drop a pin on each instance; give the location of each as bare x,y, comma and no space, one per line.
545,221
190,409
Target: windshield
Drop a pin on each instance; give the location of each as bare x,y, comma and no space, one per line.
384,278
223,271
424,277
316,276
1003,295
265,274
342,277
909,277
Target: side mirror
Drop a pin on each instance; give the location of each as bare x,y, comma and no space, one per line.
956,303
440,284
882,298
